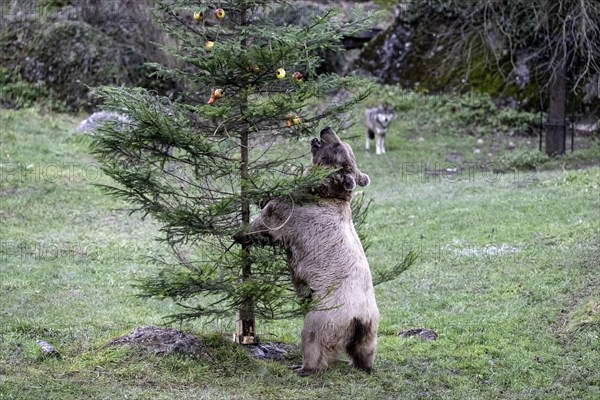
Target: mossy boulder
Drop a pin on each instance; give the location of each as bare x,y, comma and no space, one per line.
413,52
71,51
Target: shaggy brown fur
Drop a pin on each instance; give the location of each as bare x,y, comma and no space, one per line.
327,261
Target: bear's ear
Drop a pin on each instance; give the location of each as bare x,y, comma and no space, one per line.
328,136
348,182
363,179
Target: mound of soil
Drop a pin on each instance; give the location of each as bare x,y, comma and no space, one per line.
422,333
163,341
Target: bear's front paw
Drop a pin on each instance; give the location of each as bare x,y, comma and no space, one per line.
242,238
303,290
253,239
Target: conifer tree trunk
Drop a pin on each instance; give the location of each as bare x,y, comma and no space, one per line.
245,329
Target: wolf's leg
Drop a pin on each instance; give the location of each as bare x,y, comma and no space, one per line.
367,140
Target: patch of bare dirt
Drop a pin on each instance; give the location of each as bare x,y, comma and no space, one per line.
422,333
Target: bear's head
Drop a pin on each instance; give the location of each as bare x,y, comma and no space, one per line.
330,152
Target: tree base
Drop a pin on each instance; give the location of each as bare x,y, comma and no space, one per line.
241,339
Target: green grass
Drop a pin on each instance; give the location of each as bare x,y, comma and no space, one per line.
507,277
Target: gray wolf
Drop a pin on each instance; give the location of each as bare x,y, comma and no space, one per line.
377,122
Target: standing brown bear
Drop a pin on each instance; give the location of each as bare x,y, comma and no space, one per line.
327,261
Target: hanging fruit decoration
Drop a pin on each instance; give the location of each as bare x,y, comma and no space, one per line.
280,73
215,94
292,119
297,77
218,93
219,14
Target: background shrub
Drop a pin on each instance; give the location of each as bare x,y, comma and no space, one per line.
69,49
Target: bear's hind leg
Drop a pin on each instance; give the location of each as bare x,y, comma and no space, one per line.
313,359
361,347
315,354
362,358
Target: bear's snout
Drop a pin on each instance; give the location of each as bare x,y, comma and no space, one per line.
327,131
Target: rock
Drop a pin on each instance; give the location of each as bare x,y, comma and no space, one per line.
47,350
271,351
257,352
91,123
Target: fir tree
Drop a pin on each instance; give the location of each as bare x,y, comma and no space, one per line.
201,163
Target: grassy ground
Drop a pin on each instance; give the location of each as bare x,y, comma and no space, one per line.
508,277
